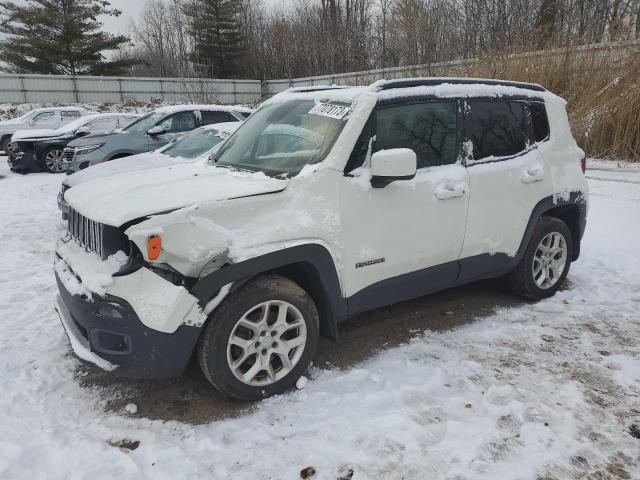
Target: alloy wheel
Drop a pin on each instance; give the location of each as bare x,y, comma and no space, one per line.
549,260
54,161
266,343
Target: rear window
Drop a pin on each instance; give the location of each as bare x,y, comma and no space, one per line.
497,129
539,121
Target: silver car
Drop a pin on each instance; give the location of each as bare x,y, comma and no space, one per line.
149,133
40,118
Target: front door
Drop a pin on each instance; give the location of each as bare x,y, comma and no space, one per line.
174,126
404,240
507,178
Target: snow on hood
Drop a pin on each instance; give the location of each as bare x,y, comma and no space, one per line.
117,199
37,133
130,164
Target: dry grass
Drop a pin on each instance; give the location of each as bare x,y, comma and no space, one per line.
602,87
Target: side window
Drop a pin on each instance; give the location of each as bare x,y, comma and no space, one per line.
428,128
497,128
210,117
102,124
179,122
539,121
44,118
69,116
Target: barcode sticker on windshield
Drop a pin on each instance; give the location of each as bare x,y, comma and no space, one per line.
329,110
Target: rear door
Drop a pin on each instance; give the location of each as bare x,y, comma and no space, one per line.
67,116
508,176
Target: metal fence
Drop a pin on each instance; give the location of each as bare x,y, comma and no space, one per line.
491,65
16,88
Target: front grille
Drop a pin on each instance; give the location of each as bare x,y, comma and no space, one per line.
86,233
68,154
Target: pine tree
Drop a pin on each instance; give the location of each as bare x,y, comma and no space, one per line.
59,37
218,43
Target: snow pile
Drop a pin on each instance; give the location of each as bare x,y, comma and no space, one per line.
544,390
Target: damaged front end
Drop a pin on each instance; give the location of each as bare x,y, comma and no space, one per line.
120,313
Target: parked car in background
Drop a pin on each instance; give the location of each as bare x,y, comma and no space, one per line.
323,205
191,147
53,118
43,149
149,133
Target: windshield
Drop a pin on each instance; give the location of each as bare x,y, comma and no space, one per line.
145,123
281,138
195,143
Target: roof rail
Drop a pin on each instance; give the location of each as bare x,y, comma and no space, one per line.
434,81
316,88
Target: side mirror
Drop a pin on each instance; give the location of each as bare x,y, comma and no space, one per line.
83,131
32,123
392,164
157,130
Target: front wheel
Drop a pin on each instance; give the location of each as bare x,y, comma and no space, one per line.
545,262
53,160
9,147
260,340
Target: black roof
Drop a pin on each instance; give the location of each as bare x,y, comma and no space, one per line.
434,81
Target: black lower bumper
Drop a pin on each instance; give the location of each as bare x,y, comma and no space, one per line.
24,161
114,333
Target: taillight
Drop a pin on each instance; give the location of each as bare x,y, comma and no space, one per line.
583,164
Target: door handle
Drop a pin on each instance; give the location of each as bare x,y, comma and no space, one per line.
533,174
445,191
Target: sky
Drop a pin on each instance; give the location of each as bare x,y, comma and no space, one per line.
130,9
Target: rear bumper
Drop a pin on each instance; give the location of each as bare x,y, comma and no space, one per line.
108,333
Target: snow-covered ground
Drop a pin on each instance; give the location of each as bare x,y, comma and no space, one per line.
549,390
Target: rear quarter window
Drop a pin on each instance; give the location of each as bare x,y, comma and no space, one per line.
539,121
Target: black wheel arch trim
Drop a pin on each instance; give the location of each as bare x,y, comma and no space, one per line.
314,257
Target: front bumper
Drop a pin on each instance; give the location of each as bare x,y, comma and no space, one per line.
82,161
26,161
108,332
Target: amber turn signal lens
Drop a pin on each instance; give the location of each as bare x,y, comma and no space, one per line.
153,247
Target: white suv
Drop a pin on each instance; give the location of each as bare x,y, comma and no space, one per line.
325,203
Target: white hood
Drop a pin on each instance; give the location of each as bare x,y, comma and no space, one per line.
117,199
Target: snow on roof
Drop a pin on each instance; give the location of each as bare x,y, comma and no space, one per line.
222,108
383,89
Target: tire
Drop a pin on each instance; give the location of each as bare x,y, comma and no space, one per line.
53,160
240,320
5,145
528,278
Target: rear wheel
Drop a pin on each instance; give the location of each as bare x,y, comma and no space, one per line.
260,340
53,160
546,261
